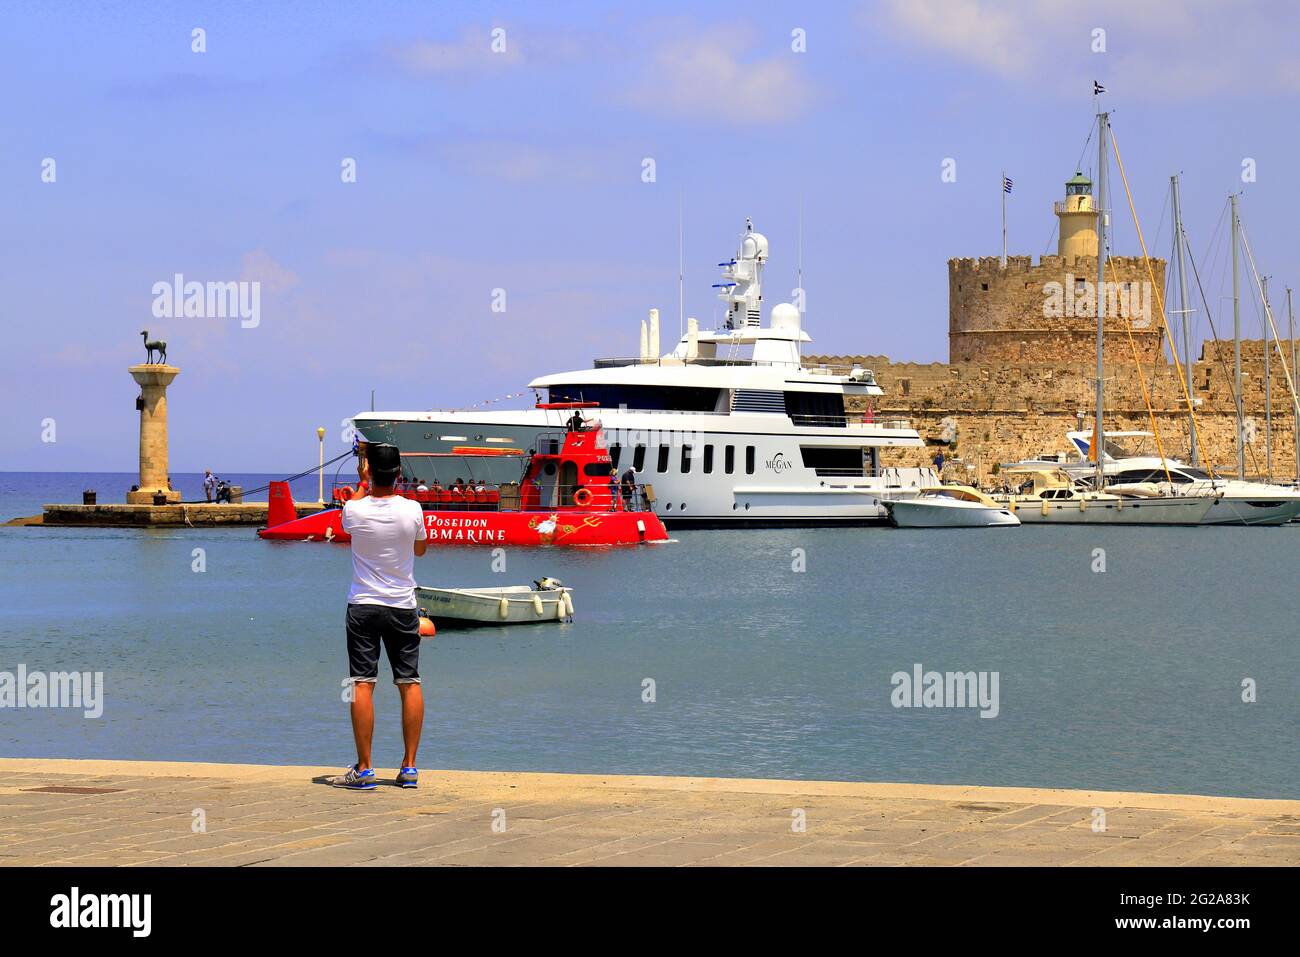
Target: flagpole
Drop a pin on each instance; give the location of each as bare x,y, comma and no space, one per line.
1003,186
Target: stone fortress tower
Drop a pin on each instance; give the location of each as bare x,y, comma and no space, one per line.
1022,361
1046,312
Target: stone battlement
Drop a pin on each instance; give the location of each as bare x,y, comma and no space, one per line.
1083,266
1252,350
1047,312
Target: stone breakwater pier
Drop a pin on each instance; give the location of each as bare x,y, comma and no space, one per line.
153,503
162,516
92,813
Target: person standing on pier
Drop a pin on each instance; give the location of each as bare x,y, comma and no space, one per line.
209,484
388,534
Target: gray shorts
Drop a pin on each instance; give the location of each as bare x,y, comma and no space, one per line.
398,629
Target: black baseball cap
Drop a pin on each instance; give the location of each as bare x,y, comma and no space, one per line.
384,460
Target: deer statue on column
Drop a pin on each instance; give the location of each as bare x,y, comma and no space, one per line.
151,347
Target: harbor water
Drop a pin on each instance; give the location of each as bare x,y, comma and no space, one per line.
754,653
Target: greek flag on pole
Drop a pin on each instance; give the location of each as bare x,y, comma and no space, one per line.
1097,88
1006,184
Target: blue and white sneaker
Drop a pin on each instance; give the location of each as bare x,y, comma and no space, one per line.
408,778
355,780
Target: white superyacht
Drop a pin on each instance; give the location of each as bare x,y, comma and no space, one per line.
729,428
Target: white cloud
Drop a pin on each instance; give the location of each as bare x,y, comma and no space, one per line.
259,266
471,51
1157,48
972,30
702,78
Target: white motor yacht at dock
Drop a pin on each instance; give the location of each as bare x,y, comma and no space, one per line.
729,427
950,506
1128,460
1045,493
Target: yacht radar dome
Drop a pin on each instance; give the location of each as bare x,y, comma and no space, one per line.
785,317
754,245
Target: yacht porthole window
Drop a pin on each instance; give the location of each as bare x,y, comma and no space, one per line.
669,506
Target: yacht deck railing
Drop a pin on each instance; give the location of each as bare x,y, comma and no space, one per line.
850,420
617,362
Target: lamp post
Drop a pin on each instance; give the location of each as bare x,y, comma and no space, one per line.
320,475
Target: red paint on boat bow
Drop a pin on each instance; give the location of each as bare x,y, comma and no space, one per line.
504,528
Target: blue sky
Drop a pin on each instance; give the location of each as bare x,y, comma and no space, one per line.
522,171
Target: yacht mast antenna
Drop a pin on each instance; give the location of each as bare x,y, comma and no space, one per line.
681,272
1099,435
802,307
1179,240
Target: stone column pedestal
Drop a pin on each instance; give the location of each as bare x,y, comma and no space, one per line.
153,379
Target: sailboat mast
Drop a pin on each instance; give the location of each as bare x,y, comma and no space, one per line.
1185,310
1236,341
1099,435
1295,419
1268,391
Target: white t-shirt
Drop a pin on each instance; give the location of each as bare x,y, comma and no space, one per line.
384,531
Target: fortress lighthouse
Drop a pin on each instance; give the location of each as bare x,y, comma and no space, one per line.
1078,216
1001,315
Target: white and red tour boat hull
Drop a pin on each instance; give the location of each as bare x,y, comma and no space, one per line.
519,529
569,497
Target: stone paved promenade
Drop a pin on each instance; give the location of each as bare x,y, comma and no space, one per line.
124,812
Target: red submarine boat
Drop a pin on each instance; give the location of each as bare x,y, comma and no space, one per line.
569,496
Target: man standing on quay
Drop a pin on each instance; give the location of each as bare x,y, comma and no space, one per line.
387,533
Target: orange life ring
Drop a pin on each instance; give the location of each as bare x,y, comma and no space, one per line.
582,497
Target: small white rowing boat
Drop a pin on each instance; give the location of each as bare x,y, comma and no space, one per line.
949,506
544,600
